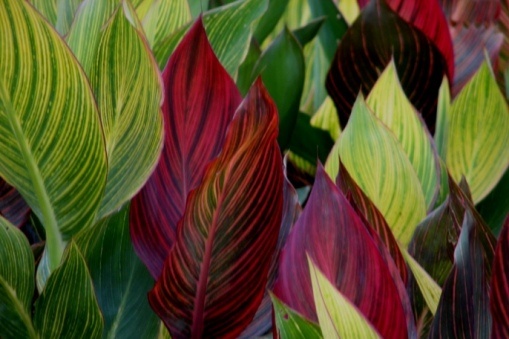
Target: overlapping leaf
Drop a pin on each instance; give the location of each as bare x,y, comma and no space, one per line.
200,100
12,205
164,17
495,207
60,13
471,12
214,278
499,298
289,324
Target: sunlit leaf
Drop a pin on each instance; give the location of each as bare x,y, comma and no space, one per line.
164,17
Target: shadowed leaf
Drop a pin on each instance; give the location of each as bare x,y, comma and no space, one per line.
12,205
499,297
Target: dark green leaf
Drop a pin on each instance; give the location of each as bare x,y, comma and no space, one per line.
307,33
270,19
495,206
245,78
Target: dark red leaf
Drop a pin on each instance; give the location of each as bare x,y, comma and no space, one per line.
366,49
200,100
12,205
499,299
214,278
332,234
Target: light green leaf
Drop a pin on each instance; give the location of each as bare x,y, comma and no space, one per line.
390,104
127,85
122,296
478,134
163,18
326,118
338,317
378,164
229,30
52,148
443,118
291,325
67,308
350,10
60,13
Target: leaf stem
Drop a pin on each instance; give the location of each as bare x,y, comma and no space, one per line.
55,243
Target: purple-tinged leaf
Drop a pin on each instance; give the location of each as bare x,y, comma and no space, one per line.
336,239
462,12
12,205
374,38
499,298
214,278
200,100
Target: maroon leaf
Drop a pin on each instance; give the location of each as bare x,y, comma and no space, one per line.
499,300
12,205
214,278
366,49
200,100
334,236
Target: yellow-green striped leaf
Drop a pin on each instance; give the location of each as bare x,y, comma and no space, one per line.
478,134
52,148
127,86
16,283
60,13
377,162
163,18
67,308
327,119
338,317
390,104
229,30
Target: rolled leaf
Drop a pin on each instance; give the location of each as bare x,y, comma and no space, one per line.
197,110
12,205
214,278
289,324
499,296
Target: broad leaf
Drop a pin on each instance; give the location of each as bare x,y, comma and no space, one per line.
52,144
163,18
394,38
337,240
200,100
499,297
478,134
67,308
214,278
12,205
60,13
307,33
289,324
121,296
269,19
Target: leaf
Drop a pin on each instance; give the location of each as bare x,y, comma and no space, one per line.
464,305
349,9
12,205
282,69
163,18
67,308
290,324
214,278
244,76
390,105
338,317
370,152
495,207
465,12
52,145
499,298
478,134
229,31
269,20
121,296
60,13
337,240
127,86
395,39
306,33
16,283
197,111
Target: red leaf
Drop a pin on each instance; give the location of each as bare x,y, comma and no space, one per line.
499,300
337,240
200,100
214,278
366,49
12,205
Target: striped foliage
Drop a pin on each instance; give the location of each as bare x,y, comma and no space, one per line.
163,18
60,13
290,324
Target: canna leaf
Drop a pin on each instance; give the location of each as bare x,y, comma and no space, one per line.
214,278
495,207
337,240
289,324
394,38
464,12
499,296
12,206
60,13
269,20
52,144
307,33
201,99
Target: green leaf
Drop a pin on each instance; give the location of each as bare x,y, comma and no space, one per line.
478,132
60,13
127,85
308,32
390,104
269,20
282,69
163,18
67,308
495,207
16,283
121,296
245,75
326,118
52,144
349,9
443,118
229,30
378,164
338,317
290,324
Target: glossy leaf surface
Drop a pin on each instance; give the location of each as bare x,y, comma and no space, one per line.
499,297
197,110
214,278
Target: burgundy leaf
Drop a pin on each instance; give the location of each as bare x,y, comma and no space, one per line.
367,48
499,300
336,239
12,205
200,100
214,278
